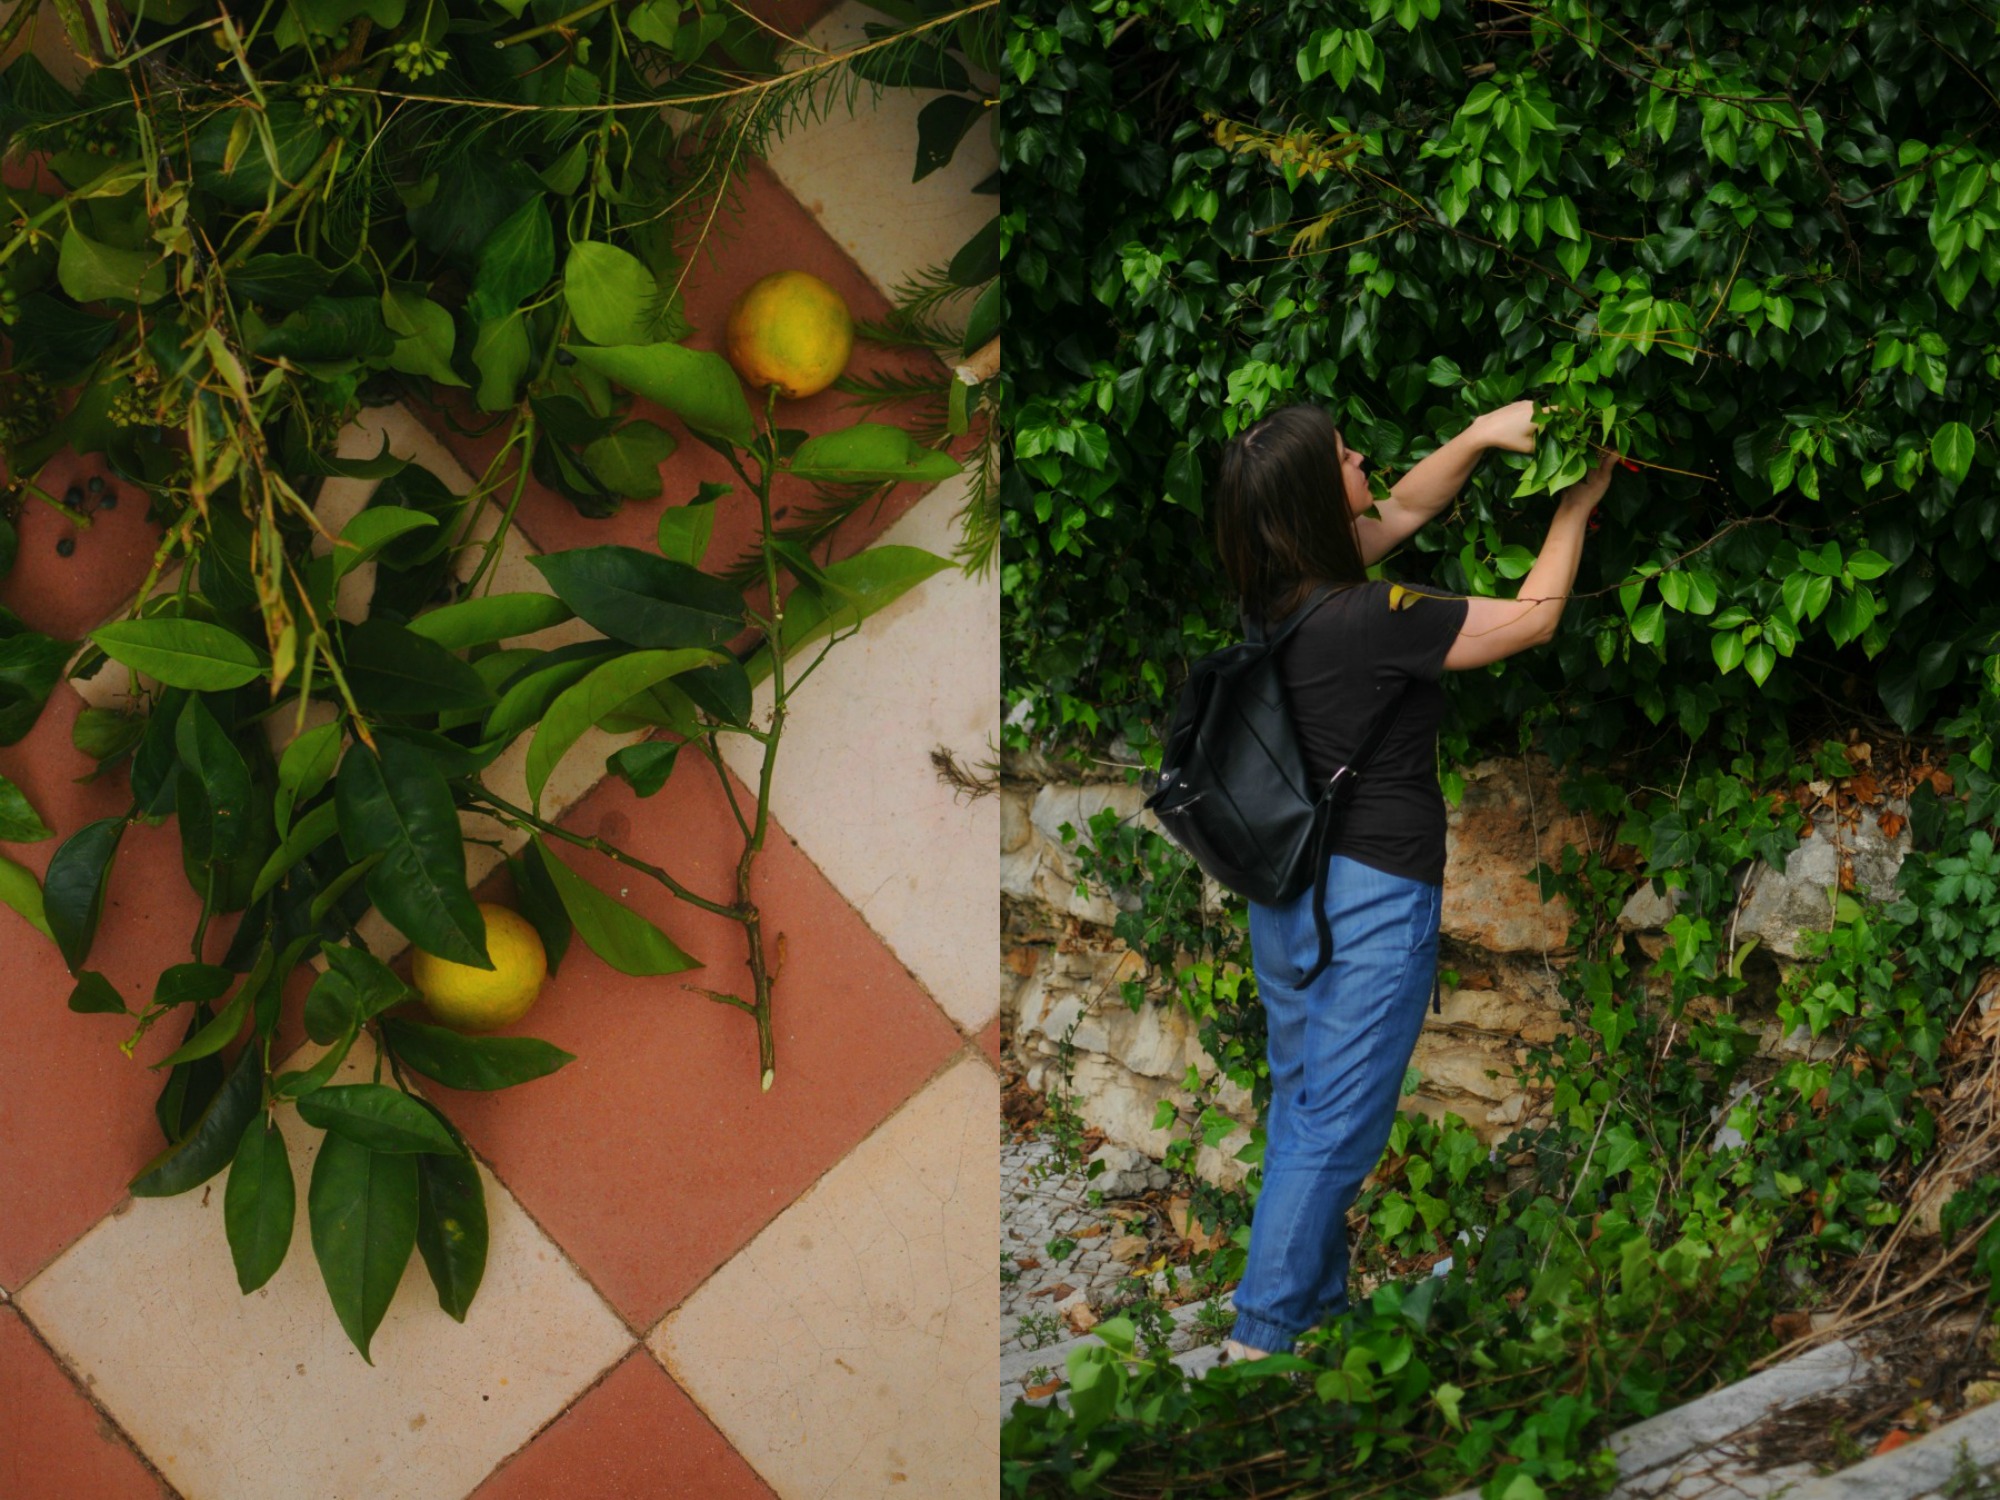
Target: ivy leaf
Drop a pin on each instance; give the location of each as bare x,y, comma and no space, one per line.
500,354
612,297
328,330
1952,449
362,1206
628,460
93,272
514,263
396,803
1727,648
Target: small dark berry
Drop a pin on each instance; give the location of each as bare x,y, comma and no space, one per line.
66,546
108,500
96,485
73,496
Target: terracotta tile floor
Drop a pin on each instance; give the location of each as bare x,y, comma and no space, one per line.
651,1176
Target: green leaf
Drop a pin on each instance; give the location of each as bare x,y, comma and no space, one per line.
19,822
514,263
260,1204
685,530
426,336
644,767
617,934
208,1147
30,666
372,530
305,768
73,888
613,299
541,904
500,354
871,452
94,995
398,804
699,388
91,272
329,330
472,1062
393,670
862,584
220,1031
206,750
628,460
596,697
1727,648
643,600
1865,564
188,654
657,22
1952,449
303,1081
104,734
1758,661
362,1206
496,617
524,700
451,1224
378,1117
941,125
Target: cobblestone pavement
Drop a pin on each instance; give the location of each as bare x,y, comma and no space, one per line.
1040,1206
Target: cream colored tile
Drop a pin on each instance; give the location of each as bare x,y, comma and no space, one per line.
263,1398
920,862
852,173
852,1349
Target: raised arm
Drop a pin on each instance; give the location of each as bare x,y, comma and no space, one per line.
1434,481
1497,628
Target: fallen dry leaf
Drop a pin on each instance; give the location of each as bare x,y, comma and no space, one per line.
1046,1388
1059,1291
1896,1438
1891,824
1791,1325
1940,782
1128,1247
1080,1318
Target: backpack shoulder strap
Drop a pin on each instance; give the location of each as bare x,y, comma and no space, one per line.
1253,630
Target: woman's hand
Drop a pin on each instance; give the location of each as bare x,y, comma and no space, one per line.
1512,427
1587,491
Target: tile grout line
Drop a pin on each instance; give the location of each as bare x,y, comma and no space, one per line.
958,1054
89,1394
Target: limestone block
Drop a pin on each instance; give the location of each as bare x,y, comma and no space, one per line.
1647,911
1506,823
1461,1063
1016,827
1526,1018
1127,1173
1783,903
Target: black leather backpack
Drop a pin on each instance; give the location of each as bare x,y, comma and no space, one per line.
1233,789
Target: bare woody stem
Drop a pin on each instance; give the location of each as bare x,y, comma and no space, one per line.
761,977
526,819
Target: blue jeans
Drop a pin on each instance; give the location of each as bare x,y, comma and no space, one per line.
1338,1049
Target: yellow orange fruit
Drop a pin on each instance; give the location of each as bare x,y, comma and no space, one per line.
486,999
790,330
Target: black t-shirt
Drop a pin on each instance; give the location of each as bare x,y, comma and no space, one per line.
1340,668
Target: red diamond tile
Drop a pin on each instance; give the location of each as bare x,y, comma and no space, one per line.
763,229
634,1436
75,1112
68,596
989,1041
655,1156
54,1445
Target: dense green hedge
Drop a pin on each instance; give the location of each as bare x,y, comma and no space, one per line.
1757,245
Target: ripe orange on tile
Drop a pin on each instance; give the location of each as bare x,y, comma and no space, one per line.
486,999
791,330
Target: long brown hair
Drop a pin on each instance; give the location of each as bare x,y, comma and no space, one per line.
1282,522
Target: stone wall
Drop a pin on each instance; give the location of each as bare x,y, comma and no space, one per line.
1063,970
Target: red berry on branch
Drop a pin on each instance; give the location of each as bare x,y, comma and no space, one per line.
1627,463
